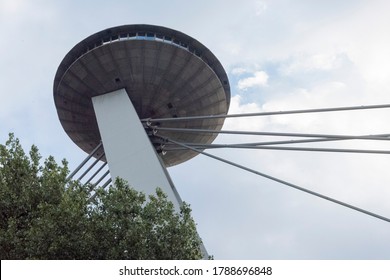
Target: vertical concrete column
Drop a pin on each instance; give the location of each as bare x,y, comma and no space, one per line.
129,152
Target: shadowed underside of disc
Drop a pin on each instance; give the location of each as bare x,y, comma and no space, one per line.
166,74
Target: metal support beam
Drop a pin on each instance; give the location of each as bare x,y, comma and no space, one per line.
84,161
96,173
91,166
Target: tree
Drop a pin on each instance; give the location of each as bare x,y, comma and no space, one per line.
44,216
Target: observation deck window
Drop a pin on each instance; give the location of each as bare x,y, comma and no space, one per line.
150,36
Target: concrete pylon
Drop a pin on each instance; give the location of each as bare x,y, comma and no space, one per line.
130,154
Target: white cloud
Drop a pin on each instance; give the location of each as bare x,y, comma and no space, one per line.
237,106
239,71
259,79
315,62
260,7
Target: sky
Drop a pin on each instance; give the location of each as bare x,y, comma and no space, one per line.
279,55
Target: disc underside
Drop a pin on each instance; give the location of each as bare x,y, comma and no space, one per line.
162,81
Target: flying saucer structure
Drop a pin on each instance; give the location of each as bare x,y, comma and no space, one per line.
113,79
165,73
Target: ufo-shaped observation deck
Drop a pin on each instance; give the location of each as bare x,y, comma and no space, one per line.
166,73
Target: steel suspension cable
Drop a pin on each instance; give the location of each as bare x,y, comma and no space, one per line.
302,149
280,181
320,110
268,143
311,140
211,131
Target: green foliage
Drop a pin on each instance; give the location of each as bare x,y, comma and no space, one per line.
45,217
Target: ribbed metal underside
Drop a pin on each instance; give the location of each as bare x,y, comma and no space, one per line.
161,79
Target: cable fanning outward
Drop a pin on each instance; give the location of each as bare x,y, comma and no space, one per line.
171,144
276,179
